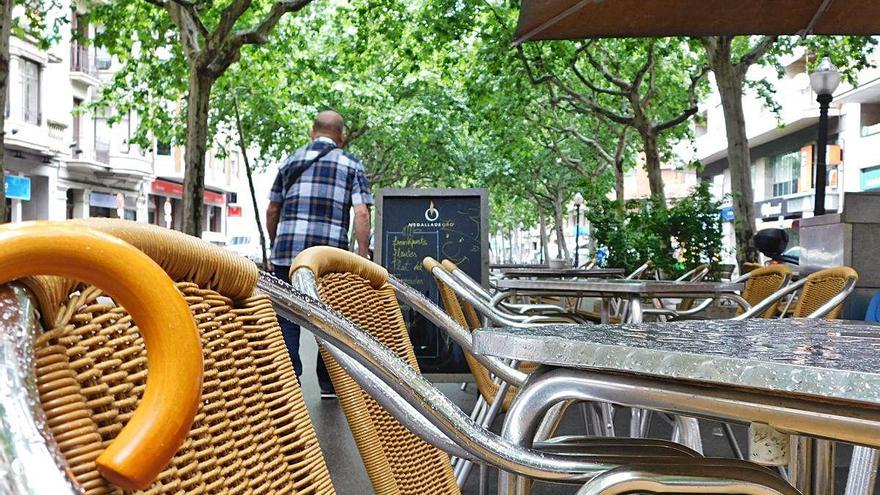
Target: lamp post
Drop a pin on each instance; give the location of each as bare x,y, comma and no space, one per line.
823,81
578,202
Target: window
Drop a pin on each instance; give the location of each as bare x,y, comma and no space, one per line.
30,91
786,172
870,118
163,148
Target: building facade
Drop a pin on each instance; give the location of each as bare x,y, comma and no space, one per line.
783,147
64,162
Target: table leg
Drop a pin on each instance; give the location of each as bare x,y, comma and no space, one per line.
604,310
863,471
823,467
635,309
812,468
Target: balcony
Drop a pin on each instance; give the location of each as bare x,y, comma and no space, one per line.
83,69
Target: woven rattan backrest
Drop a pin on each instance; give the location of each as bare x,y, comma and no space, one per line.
397,461
762,283
252,433
465,315
820,288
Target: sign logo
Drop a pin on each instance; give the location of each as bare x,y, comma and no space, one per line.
770,209
431,214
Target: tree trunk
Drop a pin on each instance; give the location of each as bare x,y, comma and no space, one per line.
618,181
5,32
652,165
561,245
545,248
250,178
730,87
198,100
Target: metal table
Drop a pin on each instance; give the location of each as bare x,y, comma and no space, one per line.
813,377
562,273
631,290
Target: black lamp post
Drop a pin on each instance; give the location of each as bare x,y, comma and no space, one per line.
578,202
823,81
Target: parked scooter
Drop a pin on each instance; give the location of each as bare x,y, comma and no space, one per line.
772,244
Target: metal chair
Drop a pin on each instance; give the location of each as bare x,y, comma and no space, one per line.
506,310
360,290
79,381
822,295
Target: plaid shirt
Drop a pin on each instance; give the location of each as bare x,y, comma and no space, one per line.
315,210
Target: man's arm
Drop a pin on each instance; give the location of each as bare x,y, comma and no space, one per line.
362,229
273,214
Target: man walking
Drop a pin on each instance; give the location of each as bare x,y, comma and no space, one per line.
309,205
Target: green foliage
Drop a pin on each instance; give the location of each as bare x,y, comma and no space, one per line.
675,239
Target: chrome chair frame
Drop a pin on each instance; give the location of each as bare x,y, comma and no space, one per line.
521,309
429,413
790,289
32,463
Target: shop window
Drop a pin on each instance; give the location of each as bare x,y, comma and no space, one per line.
102,212
786,173
870,118
30,91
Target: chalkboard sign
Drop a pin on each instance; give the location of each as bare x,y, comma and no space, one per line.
443,224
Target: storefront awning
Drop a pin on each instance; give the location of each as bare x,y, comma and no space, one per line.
574,19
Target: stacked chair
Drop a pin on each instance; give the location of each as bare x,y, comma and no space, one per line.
184,350
345,281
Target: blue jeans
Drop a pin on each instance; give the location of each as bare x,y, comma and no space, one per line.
290,331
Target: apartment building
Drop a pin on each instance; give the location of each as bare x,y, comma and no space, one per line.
64,162
783,146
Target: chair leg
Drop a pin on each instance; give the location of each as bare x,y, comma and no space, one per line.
731,439
486,422
687,433
607,418
863,471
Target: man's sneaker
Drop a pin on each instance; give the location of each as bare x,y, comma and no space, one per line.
328,392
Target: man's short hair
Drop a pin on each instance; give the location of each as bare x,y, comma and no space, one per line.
329,121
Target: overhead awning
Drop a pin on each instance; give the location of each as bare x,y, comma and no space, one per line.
575,19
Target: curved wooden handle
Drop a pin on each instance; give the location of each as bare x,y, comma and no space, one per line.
164,416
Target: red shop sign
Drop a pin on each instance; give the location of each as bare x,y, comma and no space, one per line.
175,190
233,211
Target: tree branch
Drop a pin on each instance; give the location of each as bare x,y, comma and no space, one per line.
586,82
755,54
649,63
260,34
599,66
189,28
692,97
228,18
520,54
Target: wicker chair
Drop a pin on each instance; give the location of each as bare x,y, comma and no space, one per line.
465,315
822,294
251,433
360,291
396,460
761,283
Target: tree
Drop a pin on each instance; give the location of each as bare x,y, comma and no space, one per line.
619,80
730,58
209,39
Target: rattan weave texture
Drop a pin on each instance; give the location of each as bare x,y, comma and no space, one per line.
762,283
820,288
252,434
397,461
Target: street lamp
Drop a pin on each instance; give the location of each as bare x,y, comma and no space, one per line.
823,81
578,202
